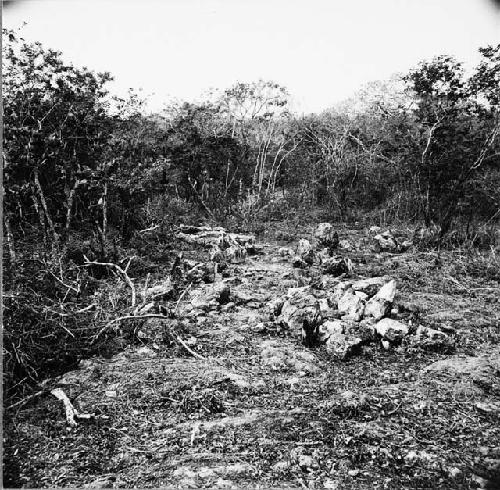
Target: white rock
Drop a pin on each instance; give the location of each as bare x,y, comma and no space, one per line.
342,346
431,333
391,330
285,252
339,290
326,235
305,251
351,306
387,291
380,305
366,285
329,328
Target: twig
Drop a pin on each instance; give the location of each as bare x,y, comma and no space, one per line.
26,400
181,296
144,291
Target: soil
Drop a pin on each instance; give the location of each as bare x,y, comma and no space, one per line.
260,410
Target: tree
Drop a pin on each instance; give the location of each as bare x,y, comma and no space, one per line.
55,133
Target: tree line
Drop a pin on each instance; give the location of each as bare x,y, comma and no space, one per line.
423,147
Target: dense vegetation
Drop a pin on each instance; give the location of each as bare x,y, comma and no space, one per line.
86,173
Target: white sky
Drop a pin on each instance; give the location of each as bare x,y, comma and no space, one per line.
321,50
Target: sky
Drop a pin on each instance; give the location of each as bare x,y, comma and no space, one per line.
323,51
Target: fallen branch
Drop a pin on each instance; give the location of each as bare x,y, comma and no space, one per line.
122,272
181,296
71,411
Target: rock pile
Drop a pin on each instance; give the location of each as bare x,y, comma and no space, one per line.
387,242
225,247
347,316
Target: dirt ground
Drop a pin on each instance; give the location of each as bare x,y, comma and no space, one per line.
260,410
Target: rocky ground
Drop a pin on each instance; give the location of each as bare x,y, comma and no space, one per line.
330,361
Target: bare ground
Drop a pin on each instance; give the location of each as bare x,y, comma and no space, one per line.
260,410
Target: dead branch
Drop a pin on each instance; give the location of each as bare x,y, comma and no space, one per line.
121,272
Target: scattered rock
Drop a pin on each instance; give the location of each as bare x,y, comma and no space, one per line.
162,291
346,244
327,236
380,305
339,290
305,251
351,306
391,330
384,242
336,265
300,306
369,286
285,252
342,346
329,328
299,262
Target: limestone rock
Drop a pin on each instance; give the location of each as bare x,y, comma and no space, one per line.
351,306
391,330
305,251
298,262
339,290
285,252
300,306
335,265
369,286
385,242
380,305
327,236
341,346
329,328
165,290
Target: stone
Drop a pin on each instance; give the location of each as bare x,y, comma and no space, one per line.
391,330
326,235
342,346
369,286
162,291
350,306
329,328
218,294
335,265
300,306
285,252
235,253
275,306
345,244
305,461
325,309
380,305
431,333
374,230
361,295
299,262
339,290
385,242
202,272
305,251
216,254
